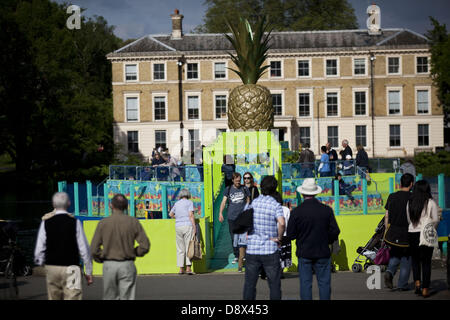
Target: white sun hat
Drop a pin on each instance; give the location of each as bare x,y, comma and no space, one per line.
309,187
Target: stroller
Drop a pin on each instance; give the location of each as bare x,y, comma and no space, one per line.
367,253
12,258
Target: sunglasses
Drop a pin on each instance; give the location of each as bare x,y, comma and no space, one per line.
247,178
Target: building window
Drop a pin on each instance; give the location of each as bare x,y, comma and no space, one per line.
394,65
219,132
331,67
305,136
422,64
359,66
160,108
333,136
332,104
194,139
193,108
192,71
424,136
394,101
132,108
275,68
361,135
221,106
160,139
394,135
422,101
360,103
220,70
303,68
303,104
133,143
159,71
131,72
277,103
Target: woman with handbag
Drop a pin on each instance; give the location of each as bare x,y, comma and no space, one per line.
423,220
183,212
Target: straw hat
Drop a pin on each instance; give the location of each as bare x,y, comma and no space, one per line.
309,187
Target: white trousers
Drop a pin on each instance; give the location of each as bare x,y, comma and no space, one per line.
183,236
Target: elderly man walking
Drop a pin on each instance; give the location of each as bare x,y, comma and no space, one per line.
60,243
314,227
263,242
113,245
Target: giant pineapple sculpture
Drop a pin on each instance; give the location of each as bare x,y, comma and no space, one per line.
250,105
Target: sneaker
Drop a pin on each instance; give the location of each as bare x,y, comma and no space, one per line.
240,270
235,260
388,280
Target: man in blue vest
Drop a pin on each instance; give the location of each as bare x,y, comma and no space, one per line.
60,243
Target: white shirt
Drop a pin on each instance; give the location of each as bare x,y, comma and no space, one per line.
287,214
83,245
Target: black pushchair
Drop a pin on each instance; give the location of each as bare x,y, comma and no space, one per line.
366,254
12,259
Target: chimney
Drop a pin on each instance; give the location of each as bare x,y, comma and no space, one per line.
177,27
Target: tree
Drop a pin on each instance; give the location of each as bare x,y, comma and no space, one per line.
55,90
440,63
283,15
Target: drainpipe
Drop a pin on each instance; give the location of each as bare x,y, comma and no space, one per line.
372,59
180,63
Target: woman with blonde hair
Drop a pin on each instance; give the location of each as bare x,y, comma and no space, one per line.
183,212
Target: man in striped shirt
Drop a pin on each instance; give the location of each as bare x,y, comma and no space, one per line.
263,242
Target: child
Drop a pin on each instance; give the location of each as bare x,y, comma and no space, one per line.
348,165
345,188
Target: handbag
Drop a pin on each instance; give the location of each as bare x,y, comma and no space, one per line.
194,249
428,234
243,222
383,255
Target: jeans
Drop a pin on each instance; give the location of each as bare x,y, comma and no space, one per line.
405,269
271,265
230,229
322,268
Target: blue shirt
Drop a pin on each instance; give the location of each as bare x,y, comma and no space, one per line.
266,211
325,159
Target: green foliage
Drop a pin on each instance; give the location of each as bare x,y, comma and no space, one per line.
283,15
55,91
290,156
251,49
431,164
440,62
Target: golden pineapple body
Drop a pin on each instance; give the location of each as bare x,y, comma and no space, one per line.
250,108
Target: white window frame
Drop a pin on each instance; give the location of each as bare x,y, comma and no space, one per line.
428,63
125,72
282,101
389,135
310,135
394,88
365,66
332,90
220,93
188,137
166,101
193,94
309,68
367,137
337,75
153,71
416,90
132,95
339,132
429,136
165,130
214,72
311,103
366,90
400,71
281,66
138,138
198,70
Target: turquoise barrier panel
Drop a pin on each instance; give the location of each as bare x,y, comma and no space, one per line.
419,177
132,208
391,185
441,190
105,199
164,201
76,198
365,209
89,197
336,197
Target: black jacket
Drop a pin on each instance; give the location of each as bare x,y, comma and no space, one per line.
362,159
314,227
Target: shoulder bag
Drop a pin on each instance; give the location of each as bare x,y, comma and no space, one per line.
428,234
194,249
383,255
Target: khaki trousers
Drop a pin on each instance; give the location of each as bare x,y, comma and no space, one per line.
183,237
119,280
63,283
